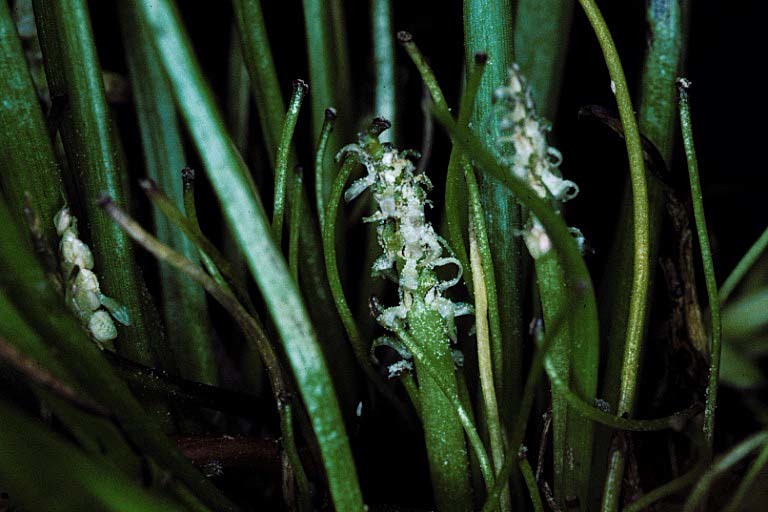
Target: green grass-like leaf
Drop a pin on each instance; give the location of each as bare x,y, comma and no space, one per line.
74,77
29,164
488,27
185,309
247,219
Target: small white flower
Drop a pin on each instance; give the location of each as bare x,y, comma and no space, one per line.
64,221
74,253
536,239
102,327
85,291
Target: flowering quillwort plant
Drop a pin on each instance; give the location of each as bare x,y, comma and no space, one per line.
520,141
412,253
72,409
82,289
412,250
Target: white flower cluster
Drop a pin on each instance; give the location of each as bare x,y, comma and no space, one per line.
82,290
412,250
520,139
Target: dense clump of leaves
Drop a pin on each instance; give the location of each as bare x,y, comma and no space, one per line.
387,339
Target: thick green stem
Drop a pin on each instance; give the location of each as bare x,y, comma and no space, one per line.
542,30
184,305
29,163
574,354
463,414
709,268
662,65
247,219
340,75
541,34
385,96
488,28
446,450
321,25
74,77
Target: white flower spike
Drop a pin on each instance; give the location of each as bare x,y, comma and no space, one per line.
412,250
520,141
82,290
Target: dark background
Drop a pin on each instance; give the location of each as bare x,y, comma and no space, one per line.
725,61
726,57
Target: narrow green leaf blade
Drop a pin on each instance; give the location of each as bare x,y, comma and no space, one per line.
245,215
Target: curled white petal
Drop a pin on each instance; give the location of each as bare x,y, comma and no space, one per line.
399,368
562,190
350,148
357,188
393,343
392,317
463,308
441,262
